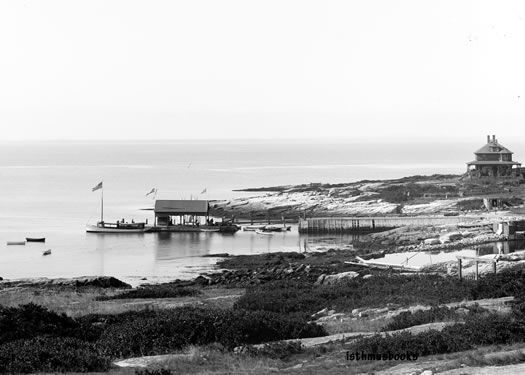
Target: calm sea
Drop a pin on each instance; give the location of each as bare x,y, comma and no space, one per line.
45,190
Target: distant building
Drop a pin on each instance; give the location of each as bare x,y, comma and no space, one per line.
493,160
181,212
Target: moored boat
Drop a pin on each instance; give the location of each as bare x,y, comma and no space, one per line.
35,239
277,228
210,229
47,252
266,233
118,227
252,228
15,243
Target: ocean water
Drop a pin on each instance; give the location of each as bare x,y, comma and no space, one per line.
45,190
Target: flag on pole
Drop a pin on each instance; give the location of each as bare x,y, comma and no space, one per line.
154,190
204,191
99,186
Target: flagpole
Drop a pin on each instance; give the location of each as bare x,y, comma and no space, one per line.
102,204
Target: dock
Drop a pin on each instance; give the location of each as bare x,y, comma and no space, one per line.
363,225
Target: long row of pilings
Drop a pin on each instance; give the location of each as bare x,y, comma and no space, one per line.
361,224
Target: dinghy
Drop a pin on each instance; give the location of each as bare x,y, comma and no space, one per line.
252,228
258,231
35,239
16,242
47,252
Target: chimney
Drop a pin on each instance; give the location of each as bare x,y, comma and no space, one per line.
488,138
494,138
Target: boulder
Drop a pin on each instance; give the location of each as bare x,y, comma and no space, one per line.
462,311
101,282
202,280
320,313
450,237
338,278
320,279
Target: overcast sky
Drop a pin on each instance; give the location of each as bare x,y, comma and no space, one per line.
239,69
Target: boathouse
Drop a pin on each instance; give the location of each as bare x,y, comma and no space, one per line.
493,160
181,212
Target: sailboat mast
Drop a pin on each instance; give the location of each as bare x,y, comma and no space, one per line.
102,205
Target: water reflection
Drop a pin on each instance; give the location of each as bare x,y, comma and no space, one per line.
503,247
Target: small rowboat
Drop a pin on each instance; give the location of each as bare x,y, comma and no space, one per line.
47,252
264,232
277,228
35,239
16,242
252,228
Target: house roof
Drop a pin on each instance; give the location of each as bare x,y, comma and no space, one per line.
493,147
181,207
493,162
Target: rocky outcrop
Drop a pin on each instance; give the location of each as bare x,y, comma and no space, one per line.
450,237
338,278
83,281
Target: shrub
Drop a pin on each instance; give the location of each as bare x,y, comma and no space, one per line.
158,371
27,321
148,333
276,350
287,296
50,354
291,296
489,329
161,291
409,319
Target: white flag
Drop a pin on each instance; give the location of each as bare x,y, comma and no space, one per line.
99,186
154,190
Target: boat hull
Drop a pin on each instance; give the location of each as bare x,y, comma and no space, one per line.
29,239
195,228
264,232
97,229
252,228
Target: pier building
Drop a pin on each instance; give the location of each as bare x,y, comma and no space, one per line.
188,216
181,212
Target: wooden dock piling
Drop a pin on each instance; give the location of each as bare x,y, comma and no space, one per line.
362,224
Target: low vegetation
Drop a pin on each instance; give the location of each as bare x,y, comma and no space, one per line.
478,330
35,339
290,296
161,291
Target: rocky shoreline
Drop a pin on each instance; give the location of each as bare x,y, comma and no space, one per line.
415,195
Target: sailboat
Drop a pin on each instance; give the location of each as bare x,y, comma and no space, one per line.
117,227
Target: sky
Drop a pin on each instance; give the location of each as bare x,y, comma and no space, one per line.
375,69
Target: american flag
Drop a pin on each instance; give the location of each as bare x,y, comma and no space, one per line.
97,187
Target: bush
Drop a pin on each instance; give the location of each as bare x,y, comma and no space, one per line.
276,350
287,296
27,321
161,291
409,319
50,354
291,296
490,329
148,333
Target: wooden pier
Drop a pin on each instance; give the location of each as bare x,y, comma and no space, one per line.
360,224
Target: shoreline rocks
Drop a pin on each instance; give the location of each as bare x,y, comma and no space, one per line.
82,281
